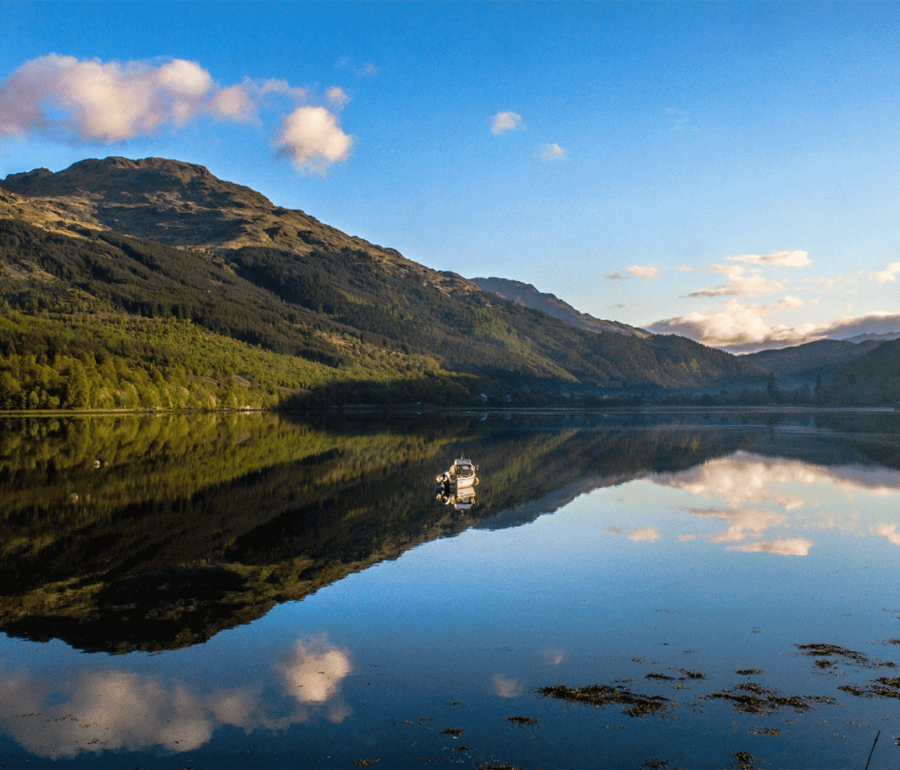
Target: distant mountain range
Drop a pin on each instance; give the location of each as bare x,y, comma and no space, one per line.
154,284
814,361
527,295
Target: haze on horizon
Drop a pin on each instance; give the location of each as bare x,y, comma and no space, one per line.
728,172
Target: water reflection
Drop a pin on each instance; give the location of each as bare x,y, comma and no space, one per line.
456,486
587,559
761,496
159,532
196,524
113,709
888,531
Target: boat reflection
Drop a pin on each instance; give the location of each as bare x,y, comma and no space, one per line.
456,486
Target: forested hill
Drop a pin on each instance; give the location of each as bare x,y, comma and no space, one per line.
871,379
527,295
155,284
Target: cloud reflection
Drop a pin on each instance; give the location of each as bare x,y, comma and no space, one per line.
742,523
554,657
795,547
889,531
758,494
645,535
507,687
114,709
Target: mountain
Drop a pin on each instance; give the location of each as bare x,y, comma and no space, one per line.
527,295
152,283
873,337
809,363
870,380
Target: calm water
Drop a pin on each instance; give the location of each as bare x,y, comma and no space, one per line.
642,591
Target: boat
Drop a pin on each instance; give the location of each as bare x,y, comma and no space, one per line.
463,473
456,486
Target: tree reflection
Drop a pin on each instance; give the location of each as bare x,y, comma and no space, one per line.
153,532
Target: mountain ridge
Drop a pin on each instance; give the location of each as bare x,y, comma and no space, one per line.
529,296
167,240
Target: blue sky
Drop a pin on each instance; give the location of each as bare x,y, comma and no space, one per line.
727,171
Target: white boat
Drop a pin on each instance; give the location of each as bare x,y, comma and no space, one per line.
456,486
461,474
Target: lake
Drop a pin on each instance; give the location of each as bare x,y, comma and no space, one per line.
627,590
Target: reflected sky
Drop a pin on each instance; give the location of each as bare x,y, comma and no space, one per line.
105,708
666,583
764,502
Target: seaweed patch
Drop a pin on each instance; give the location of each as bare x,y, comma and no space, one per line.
523,721
826,652
752,698
883,687
599,695
744,760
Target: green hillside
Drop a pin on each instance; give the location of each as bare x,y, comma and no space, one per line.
227,300
809,363
871,380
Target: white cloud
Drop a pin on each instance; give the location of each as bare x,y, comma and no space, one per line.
314,140
888,274
746,328
551,152
778,258
233,103
95,101
506,121
788,303
791,547
337,97
645,535
366,70
739,284
733,325
643,272
744,282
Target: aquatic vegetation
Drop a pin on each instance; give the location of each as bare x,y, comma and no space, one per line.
688,674
637,705
523,721
883,687
826,652
752,698
744,760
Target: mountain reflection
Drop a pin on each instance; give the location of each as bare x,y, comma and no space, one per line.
120,709
156,532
